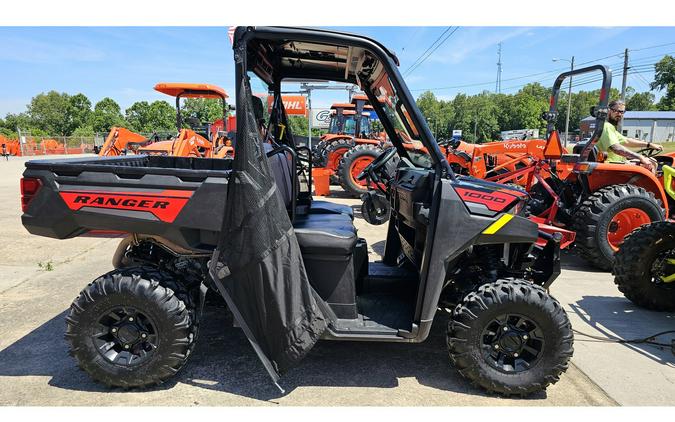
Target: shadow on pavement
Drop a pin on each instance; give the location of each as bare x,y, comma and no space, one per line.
571,261
617,316
224,361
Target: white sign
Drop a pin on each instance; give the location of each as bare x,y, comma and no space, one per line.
457,133
321,118
23,139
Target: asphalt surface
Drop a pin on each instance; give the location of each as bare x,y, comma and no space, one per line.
39,277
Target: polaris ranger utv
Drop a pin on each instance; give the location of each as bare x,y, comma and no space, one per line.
293,270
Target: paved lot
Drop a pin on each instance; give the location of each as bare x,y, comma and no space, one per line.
36,370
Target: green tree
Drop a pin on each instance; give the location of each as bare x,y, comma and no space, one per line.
205,110
664,80
86,130
640,101
106,115
145,117
17,121
51,112
79,111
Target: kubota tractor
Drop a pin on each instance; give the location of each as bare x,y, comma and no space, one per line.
118,141
601,201
207,140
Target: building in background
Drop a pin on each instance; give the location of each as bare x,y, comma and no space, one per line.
652,126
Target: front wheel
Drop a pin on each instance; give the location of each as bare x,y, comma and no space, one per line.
607,216
352,164
510,337
645,267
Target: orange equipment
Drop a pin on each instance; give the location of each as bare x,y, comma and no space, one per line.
211,140
118,140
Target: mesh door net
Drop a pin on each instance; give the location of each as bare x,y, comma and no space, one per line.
257,265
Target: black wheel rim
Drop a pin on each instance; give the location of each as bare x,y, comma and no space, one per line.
663,270
125,336
512,343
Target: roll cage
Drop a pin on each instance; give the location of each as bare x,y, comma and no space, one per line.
277,53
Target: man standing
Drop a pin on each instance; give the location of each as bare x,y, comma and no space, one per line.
613,144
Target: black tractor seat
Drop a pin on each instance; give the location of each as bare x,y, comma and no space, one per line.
325,234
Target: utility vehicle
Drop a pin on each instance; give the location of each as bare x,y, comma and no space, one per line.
453,242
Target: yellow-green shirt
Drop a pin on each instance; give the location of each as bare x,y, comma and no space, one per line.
609,137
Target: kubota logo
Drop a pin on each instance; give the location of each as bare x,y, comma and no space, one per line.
514,145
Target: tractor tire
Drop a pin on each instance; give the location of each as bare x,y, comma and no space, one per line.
317,154
510,337
351,164
333,153
607,216
642,261
130,328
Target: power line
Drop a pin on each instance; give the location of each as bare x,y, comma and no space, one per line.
653,46
431,52
429,48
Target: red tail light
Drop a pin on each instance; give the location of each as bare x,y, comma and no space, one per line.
29,188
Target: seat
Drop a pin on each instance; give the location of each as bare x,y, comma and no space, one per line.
325,234
281,170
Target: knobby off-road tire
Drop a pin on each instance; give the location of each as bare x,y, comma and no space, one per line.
595,221
641,261
353,162
529,355
99,325
333,153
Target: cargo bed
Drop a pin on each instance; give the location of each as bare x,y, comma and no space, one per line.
179,198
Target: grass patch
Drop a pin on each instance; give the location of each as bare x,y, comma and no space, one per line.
46,266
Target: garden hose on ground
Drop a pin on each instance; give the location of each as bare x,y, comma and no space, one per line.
646,340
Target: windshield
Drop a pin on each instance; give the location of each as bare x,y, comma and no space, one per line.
400,119
350,125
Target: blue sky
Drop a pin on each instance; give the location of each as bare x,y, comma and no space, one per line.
124,63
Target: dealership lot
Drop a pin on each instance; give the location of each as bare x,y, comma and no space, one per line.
39,277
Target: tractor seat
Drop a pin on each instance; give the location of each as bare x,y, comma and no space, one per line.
325,234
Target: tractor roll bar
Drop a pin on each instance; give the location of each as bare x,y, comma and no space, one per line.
600,111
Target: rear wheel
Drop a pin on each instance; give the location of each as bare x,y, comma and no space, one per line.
352,163
645,267
129,329
510,337
607,216
333,152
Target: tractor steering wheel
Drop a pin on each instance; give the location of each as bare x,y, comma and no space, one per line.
377,164
649,152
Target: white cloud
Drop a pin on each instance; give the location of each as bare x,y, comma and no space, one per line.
472,40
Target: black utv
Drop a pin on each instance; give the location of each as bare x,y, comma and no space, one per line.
293,270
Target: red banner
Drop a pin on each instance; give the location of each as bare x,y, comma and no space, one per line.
294,104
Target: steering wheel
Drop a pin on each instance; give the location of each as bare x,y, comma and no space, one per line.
649,152
377,163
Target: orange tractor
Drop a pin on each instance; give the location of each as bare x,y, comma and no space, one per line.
601,201
350,134
208,141
119,140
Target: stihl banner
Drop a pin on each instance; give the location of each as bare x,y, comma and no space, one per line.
294,104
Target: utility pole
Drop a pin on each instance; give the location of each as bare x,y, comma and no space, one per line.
498,86
623,85
625,75
569,105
